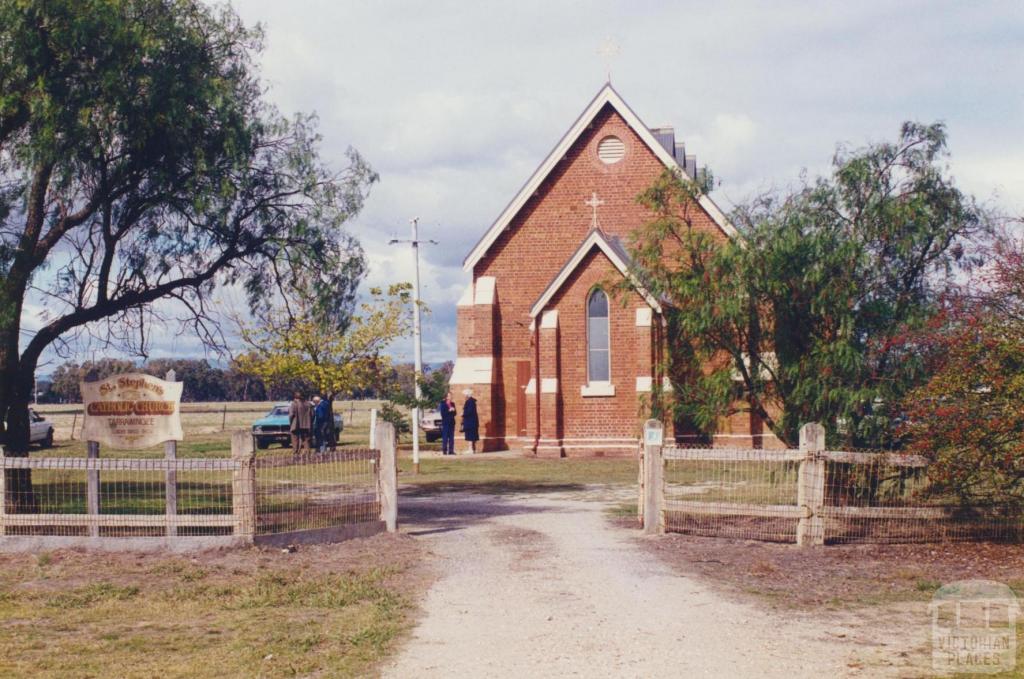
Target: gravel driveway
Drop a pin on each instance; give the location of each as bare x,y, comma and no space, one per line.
546,586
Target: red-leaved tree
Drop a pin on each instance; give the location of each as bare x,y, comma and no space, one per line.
969,417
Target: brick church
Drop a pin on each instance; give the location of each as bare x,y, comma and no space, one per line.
558,365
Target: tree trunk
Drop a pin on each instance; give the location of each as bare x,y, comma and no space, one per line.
16,382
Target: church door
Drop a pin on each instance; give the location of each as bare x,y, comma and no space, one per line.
522,379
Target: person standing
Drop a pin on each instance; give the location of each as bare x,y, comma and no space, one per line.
321,423
316,423
299,422
470,421
330,433
447,410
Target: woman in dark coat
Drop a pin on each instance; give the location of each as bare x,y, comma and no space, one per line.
470,421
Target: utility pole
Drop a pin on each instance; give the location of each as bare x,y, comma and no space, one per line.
416,341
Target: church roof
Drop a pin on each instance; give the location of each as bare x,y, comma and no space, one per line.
609,96
612,249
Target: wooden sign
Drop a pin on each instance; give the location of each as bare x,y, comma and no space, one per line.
132,411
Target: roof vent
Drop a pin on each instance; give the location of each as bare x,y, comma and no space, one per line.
611,150
666,136
680,154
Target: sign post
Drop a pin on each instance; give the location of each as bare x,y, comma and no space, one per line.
654,490
132,411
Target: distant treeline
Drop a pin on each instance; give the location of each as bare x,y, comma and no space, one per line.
206,382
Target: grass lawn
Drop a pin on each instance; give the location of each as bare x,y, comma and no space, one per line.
504,474
330,610
196,445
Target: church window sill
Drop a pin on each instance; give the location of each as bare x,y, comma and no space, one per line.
597,389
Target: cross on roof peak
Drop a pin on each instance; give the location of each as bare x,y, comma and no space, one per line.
593,202
608,50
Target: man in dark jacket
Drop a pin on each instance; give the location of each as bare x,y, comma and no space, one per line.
300,419
447,410
321,423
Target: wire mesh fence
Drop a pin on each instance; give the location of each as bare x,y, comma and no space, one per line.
741,493
833,496
316,491
242,496
69,496
873,496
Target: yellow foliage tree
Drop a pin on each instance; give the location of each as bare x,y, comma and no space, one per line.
292,344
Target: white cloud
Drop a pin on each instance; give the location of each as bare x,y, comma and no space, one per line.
997,178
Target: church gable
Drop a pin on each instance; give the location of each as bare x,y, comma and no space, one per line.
606,152
548,230
612,250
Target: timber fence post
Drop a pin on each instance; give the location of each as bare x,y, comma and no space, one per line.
92,489
811,485
243,484
654,484
171,477
387,474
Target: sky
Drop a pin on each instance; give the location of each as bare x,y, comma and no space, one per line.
455,104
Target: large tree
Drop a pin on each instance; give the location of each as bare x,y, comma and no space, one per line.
140,164
799,318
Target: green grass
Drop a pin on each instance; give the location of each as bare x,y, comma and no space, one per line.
482,473
623,510
179,620
62,491
746,482
203,445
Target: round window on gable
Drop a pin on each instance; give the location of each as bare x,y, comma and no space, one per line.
611,150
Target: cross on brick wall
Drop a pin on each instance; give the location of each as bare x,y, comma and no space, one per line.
594,202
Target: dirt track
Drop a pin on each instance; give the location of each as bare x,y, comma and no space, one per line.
545,586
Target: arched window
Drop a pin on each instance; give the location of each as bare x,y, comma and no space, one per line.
598,367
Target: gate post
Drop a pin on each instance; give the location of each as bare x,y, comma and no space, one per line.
243,484
387,473
811,485
654,483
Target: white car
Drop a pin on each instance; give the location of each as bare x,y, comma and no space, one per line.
40,431
430,423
